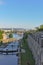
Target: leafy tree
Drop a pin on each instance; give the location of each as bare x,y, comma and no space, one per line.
40,28
1,43
1,32
10,35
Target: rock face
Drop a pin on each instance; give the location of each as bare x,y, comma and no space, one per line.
36,45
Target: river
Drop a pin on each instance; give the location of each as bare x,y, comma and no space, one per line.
11,58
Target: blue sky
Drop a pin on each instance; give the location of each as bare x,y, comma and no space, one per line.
21,13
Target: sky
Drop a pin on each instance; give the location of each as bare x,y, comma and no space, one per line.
21,13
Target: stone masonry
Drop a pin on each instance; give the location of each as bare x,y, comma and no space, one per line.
35,42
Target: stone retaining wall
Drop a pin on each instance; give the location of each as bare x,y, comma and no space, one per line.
35,48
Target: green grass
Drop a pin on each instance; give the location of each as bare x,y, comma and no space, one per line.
27,56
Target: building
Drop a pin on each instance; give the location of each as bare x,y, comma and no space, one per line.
5,36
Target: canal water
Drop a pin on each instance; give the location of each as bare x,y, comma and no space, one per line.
11,58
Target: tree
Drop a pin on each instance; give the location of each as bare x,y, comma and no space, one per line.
1,43
40,28
1,32
10,35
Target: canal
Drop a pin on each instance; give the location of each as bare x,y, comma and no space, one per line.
11,58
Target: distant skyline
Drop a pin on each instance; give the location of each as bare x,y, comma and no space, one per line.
21,13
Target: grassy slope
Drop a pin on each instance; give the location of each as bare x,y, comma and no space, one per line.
26,56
